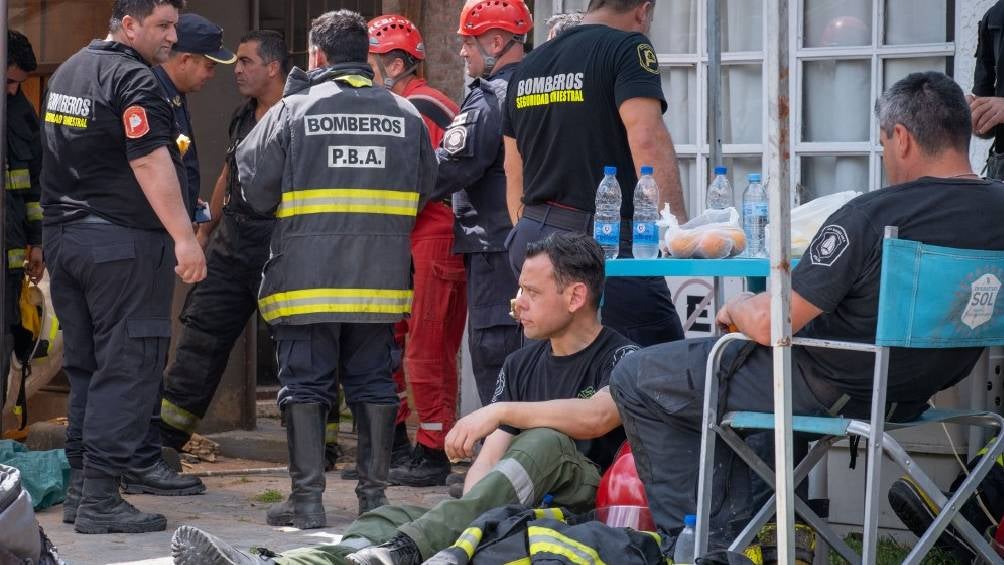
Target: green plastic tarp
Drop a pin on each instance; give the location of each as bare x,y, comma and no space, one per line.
44,474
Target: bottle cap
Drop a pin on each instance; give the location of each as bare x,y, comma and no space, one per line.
647,169
609,170
753,177
721,170
690,520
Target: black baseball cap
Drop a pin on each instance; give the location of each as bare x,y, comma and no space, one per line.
202,37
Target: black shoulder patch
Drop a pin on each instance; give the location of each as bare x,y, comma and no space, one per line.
432,110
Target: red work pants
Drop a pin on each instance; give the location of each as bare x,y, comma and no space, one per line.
436,327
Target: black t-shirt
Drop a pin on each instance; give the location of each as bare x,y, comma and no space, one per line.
533,374
562,110
839,273
104,108
241,124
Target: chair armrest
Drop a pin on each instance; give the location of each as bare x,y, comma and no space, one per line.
833,344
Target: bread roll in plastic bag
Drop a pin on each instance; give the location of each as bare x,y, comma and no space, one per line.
715,234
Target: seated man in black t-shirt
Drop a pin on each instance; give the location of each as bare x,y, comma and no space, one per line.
552,427
935,199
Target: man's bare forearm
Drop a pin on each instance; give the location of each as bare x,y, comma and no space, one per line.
216,200
658,151
158,178
575,417
513,179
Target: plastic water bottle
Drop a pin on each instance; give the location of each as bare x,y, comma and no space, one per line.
683,551
645,235
719,194
607,221
755,216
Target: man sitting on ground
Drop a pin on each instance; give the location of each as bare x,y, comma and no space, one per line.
552,427
935,198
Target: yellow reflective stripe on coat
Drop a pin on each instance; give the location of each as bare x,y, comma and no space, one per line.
546,540
348,201
982,452
15,258
34,210
469,541
555,513
357,81
18,179
335,300
520,561
177,417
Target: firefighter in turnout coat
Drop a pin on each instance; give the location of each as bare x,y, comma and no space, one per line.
343,164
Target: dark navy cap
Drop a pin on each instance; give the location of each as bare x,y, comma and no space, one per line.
202,37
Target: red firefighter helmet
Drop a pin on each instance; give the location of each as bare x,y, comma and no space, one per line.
391,32
480,16
620,498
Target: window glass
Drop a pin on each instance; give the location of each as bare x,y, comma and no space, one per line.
828,175
895,69
844,23
917,21
836,96
742,103
674,27
742,25
679,85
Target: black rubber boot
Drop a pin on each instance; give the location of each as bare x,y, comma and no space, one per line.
102,511
426,468
376,441
161,480
72,500
192,546
400,455
305,437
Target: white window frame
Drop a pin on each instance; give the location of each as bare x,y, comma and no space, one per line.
700,151
877,54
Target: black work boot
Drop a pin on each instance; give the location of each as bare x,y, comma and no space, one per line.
376,440
161,480
398,550
917,512
426,468
400,455
192,546
305,437
72,500
102,511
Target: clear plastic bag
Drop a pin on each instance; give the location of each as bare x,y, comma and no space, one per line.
715,234
809,217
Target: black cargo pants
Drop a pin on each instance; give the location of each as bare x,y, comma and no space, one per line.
215,313
111,289
659,392
491,333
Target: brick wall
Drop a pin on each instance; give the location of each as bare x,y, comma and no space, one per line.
437,20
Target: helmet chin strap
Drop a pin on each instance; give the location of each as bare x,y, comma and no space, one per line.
388,81
491,61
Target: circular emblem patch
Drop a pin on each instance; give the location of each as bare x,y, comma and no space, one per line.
455,139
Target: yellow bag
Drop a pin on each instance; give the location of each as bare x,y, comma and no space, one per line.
29,303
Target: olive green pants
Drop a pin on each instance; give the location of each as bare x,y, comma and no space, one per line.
539,462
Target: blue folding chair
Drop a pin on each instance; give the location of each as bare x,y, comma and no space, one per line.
930,297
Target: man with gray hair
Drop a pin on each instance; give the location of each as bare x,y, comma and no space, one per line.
559,23
934,198
331,306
